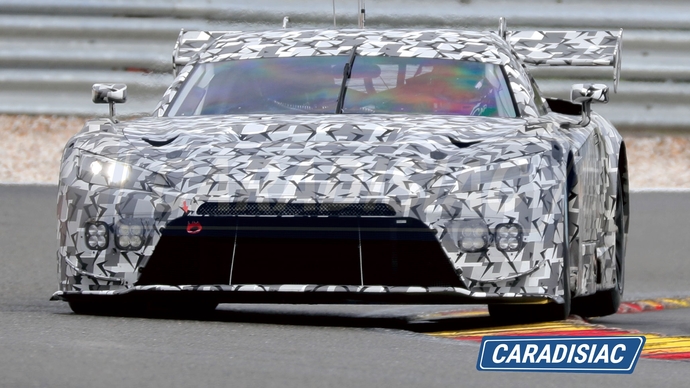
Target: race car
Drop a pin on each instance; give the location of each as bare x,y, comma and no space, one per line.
353,166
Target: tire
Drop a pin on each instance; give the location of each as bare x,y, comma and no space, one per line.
600,304
90,307
144,307
81,308
606,302
552,311
527,313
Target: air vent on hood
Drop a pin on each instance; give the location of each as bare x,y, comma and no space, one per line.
159,143
463,144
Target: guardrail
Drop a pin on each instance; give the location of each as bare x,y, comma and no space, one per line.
51,51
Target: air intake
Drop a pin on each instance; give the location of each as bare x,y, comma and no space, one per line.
295,209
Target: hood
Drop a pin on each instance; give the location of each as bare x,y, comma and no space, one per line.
304,150
382,129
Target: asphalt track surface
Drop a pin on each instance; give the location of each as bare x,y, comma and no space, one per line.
42,344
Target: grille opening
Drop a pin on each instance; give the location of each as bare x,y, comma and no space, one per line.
300,250
294,209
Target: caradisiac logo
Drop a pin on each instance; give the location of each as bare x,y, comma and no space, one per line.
560,354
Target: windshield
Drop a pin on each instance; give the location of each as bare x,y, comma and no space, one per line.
376,85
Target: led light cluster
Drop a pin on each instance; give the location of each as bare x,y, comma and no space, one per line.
473,236
96,234
114,172
106,172
508,237
129,235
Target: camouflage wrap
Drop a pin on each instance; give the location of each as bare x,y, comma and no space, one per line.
379,293
104,94
447,44
570,48
566,48
188,44
441,170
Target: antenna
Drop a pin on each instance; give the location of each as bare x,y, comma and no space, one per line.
361,12
502,28
334,25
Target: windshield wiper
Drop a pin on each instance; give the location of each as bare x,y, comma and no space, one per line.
347,72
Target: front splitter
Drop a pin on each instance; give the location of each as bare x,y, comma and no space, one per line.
308,294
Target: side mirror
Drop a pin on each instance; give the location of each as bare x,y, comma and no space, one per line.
586,93
110,94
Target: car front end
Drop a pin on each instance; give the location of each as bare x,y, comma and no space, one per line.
428,208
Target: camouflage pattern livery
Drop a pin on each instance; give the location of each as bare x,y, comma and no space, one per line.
443,171
190,43
104,94
570,48
449,44
566,48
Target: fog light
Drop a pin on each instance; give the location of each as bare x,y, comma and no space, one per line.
135,230
123,229
135,241
508,237
123,241
96,235
130,234
473,236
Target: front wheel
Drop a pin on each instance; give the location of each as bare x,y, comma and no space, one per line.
606,302
552,311
525,313
88,308
600,304
144,307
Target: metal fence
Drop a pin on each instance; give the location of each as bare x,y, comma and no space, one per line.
51,51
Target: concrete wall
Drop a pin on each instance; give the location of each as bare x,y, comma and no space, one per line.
51,51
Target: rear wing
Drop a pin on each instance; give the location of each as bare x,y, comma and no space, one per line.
569,48
188,44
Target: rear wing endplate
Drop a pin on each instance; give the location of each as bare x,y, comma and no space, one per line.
569,48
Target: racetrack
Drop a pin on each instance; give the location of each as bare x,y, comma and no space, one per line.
43,344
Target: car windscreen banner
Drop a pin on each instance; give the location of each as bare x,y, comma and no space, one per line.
569,354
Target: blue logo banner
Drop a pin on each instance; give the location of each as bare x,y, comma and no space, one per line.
577,354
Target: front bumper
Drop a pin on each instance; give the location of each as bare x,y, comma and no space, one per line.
534,271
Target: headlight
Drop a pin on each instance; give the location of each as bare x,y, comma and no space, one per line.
115,173
106,172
